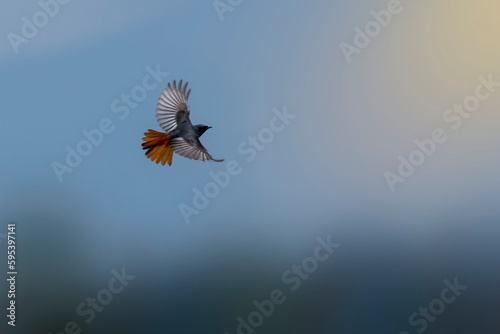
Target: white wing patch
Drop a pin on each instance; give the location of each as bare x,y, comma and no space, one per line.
190,151
172,101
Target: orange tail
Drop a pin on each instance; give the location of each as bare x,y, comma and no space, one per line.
158,147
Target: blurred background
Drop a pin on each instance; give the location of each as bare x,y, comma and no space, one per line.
322,175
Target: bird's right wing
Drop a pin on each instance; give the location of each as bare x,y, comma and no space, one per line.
172,106
191,149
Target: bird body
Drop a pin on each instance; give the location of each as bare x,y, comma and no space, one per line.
180,136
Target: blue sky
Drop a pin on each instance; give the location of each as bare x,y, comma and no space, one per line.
323,174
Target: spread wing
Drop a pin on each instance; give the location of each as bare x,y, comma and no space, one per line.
172,106
191,149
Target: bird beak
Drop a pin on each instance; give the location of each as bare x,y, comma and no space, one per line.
209,127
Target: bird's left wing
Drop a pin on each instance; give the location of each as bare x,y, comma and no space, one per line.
172,106
191,149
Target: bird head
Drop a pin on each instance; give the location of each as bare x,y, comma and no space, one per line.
201,128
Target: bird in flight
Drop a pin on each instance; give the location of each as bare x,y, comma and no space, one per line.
180,136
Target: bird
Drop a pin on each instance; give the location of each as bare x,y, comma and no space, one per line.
180,136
